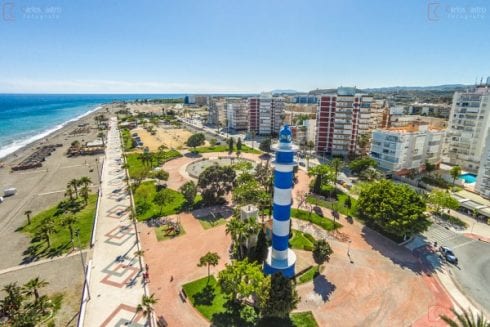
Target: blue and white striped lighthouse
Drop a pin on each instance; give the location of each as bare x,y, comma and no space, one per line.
280,257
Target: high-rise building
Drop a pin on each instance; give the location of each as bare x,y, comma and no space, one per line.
403,149
468,127
216,113
236,114
265,114
379,114
482,185
341,117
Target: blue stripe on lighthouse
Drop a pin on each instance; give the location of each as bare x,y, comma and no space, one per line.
283,180
284,157
280,212
280,243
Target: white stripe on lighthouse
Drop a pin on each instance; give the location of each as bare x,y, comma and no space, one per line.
279,255
280,228
283,168
282,196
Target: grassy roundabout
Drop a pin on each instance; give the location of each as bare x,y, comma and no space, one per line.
146,208
301,241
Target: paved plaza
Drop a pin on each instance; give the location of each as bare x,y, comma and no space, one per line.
116,286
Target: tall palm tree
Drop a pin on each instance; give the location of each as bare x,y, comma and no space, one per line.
28,215
237,229
47,228
336,165
310,146
74,183
33,286
146,306
43,304
85,181
84,191
466,319
455,172
12,303
69,191
69,220
101,135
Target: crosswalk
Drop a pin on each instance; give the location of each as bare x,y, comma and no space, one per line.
446,237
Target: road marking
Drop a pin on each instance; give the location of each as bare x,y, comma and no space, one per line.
81,165
464,244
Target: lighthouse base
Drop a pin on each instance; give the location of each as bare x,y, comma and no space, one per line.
285,267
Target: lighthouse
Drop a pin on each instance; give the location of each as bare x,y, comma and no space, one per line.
280,257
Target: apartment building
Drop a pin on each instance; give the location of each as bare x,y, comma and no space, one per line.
217,113
341,118
237,114
265,114
482,185
199,100
379,114
468,128
408,148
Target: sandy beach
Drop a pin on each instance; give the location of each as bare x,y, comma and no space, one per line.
40,188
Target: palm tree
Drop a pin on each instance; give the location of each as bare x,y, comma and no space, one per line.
68,221
253,133
32,287
74,183
237,229
252,227
146,157
101,135
146,306
455,172
336,165
84,193
69,191
310,146
28,215
85,181
12,303
466,319
47,228
363,141
43,304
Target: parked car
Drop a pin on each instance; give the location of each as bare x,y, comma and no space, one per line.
448,254
301,163
9,191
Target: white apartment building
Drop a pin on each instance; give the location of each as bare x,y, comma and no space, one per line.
237,114
482,185
468,128
403,149
217,113
265,114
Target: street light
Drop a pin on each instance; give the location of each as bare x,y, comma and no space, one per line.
77,234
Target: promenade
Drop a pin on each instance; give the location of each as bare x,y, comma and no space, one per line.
115,286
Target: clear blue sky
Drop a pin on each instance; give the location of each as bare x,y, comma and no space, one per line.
239,45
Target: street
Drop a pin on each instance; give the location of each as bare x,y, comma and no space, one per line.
473,271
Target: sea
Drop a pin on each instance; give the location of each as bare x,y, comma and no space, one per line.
25,118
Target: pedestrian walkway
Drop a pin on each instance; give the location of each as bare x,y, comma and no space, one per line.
116,285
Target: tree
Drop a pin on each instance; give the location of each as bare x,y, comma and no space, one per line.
161,175
84,192
212,142
323,176
31,288
237,229
455,172
189,191
442,199
101,136
321,252
466,319
146,158
215,182
74,183
230,144
11,304
363,141
242,279
160,198
46,229
395,208
429,168
69,220
336,165
261,248
250,192
195,140
160,154
239,145
263,174
265,145
28,215
310,145
359,165
278,298
209,259
146,306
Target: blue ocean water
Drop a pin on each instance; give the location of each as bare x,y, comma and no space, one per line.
25,118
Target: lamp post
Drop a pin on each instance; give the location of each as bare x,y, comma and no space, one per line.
77,234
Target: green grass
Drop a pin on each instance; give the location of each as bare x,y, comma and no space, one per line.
338,205
322,222
308,275
303,319
300,241
210,221
60,239
146,209
224,148
161,233
127,140
135,164
206,297
453,220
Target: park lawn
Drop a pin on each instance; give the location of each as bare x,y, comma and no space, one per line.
206,296
301,241
224,148
135,164
210,221
303,319
127,140
143,196
60,239
308,275
316,219
338,205
161,233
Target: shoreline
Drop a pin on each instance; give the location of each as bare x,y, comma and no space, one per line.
44,136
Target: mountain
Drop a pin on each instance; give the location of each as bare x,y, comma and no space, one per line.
285,92
443,88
